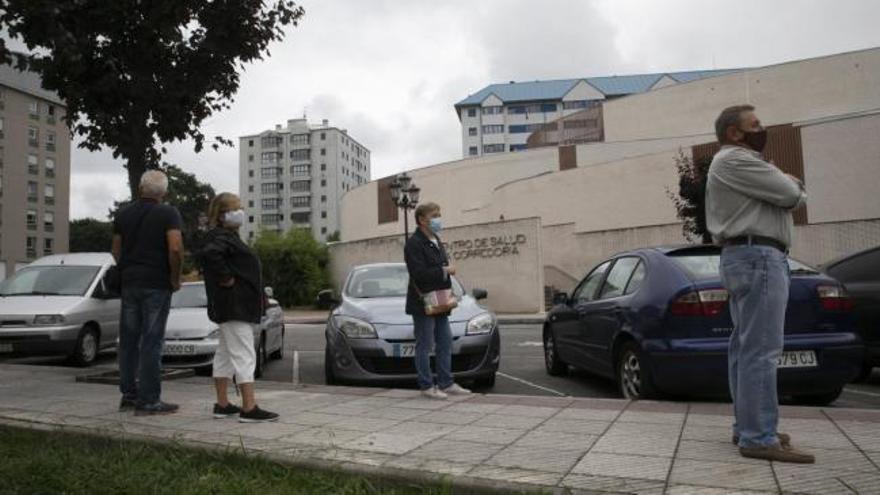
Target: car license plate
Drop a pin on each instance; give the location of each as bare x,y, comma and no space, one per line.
5,348
179,349
797,359
403,350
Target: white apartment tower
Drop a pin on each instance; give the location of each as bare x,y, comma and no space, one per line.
295,177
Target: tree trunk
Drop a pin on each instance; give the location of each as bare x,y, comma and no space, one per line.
136,167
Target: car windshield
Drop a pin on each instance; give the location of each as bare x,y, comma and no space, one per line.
384,281
49,280
708,266
190,296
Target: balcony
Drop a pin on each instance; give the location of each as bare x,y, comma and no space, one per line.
49,227
49,200
32,199
31,253
50,146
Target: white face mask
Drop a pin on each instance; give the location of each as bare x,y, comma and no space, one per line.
234,218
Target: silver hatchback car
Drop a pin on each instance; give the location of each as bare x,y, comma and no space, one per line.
58,305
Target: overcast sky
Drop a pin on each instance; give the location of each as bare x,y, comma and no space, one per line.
390,71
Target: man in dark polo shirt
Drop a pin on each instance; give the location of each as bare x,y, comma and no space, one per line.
148,248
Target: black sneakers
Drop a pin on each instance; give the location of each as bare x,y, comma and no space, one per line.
225,412
155,409
127,404
257,415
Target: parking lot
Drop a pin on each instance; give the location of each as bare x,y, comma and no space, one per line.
521,372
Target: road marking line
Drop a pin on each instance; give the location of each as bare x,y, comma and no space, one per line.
295,368
526,382
530,343
856,391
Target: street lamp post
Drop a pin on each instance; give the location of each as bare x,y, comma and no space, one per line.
405,195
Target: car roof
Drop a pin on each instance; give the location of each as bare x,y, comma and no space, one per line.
842,259
673,249
80,259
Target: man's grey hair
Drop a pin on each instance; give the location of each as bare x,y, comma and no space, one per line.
730,116
154,183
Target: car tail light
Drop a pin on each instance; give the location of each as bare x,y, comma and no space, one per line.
834,298
705,302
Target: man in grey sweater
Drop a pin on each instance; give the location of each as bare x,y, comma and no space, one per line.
748,212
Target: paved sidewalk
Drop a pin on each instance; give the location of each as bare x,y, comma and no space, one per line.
516,442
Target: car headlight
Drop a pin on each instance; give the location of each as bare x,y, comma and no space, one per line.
48,319
354,328
214,335
480,324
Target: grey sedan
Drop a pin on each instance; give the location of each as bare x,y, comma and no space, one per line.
370,338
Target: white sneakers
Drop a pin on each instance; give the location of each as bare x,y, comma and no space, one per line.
455,389
442,394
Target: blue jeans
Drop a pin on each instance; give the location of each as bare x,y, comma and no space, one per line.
141,336
757,278
433,331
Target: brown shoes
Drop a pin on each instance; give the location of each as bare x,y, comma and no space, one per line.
777,453
784,439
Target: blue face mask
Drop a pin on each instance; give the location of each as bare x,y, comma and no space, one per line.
436,225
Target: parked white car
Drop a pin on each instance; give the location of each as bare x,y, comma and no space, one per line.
58,305
191,338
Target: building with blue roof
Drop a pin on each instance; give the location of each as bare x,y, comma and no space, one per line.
501,117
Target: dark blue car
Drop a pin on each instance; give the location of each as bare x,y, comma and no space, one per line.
656,321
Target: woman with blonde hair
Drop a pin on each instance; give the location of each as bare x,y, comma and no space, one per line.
233,282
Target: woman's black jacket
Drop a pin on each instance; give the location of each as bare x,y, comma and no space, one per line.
225,255
424,262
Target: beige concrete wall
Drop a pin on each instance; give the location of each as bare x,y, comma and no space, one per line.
502,257
842,169
819,243
783,93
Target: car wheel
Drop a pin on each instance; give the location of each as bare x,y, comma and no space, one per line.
279,354
486,382
86,348
818,399
554,365
261,357
329,376
633,374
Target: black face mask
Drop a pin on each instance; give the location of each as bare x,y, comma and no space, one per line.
755,140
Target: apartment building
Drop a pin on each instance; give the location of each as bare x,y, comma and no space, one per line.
34,171
295,177
501,117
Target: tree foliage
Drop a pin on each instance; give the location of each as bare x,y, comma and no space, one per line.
690,201
90,235
137,73
295,265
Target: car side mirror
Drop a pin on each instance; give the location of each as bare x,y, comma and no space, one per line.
269,291
560,298
327,299
480,294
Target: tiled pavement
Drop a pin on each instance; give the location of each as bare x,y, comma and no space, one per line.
564,444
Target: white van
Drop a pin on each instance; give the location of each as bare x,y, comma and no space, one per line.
59,305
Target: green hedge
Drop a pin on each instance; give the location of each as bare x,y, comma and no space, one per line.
295,265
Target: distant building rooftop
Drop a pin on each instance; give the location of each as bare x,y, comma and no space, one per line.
27,82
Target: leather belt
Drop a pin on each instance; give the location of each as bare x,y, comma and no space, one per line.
756,240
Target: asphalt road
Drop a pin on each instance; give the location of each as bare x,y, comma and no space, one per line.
521,372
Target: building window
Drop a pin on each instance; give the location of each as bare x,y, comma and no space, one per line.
48,245
251,219
528,128
34,110
251,145
32,192
251,188
323,151
50,167
493,129
323,198
250,203
33,137
50,141
49,194
300,155
299,139
48,221
1,127
270,172
301,186
324,214
271,203
518,147
270,141
250,158
493,148
32,219
323,136
300,217
250,173
473,150
270,158
535,108
493,110
472,112
300,201
323,230
33,164
300,170
271,219
323,182
270,187
31,247
579,124
578,104
472,131
323,167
